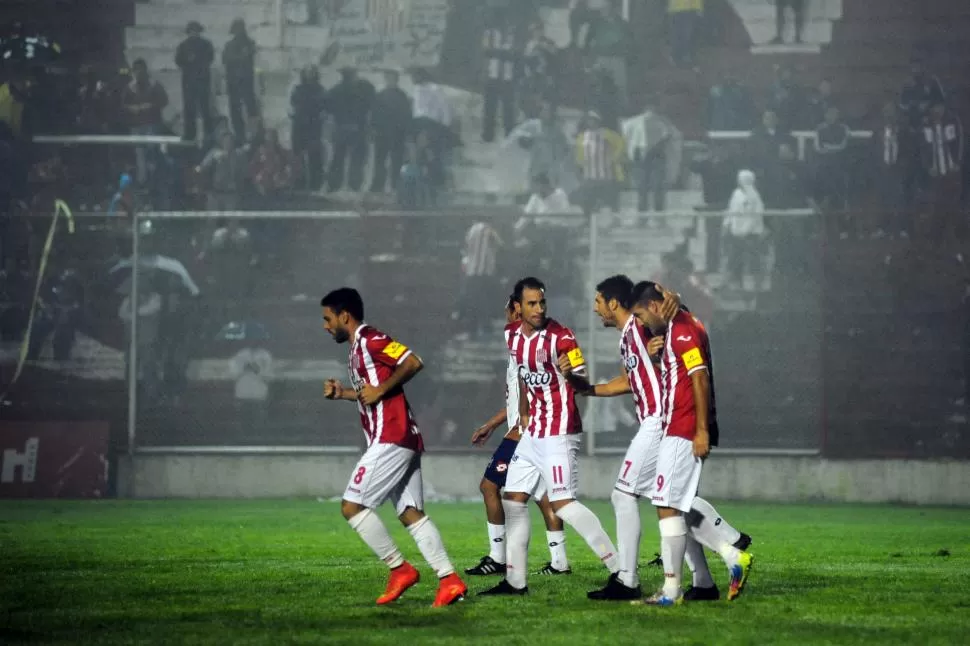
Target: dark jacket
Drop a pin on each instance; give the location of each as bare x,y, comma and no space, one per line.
392,113
194,57
308,101
350,103
239,57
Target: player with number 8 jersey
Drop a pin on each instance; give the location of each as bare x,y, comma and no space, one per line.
547,455
390,468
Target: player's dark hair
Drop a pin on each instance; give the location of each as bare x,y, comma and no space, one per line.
524,284
618,287
345,299
646,292
510,303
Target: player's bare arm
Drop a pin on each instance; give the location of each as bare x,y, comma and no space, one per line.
483,432
615,387
370,395
655,347
523,404
701,386
333,389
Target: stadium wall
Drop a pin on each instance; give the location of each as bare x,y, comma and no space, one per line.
456,476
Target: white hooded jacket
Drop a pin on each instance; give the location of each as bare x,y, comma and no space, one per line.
745,214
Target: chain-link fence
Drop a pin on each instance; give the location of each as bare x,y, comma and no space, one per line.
846,347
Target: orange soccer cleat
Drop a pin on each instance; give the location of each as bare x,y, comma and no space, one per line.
450,590
402,578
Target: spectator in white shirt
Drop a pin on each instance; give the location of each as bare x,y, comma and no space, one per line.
430,102
744,235
547,199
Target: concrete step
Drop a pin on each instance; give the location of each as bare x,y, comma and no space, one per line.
214,16
759,20
167,37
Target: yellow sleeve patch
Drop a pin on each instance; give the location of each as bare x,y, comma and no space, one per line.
576,357
394,350
692,359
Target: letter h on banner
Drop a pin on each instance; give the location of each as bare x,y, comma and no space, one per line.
27,461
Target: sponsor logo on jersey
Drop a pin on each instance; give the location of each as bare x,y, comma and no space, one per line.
536,379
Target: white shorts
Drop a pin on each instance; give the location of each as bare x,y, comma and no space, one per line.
548,465
639,466
678,474
387,472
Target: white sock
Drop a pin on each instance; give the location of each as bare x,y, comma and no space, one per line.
518,531
628,529
589,527
426,535
673,545
697,564
496,542
727,533
557,549
372,531
707,526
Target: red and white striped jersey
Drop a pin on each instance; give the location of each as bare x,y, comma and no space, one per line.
644,377
512,381
597,158
686,351
552,401
481,250
373,358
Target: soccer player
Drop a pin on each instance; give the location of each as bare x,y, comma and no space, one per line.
641,378
690,430
548,451
495,476
390,468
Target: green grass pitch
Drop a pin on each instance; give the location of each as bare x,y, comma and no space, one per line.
281,572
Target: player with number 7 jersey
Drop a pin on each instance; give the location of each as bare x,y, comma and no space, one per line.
547,455
390,468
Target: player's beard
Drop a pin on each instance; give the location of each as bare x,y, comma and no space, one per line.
340,335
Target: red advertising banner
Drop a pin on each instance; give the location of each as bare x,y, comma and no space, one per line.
53,459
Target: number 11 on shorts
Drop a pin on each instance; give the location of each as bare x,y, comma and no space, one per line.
557,478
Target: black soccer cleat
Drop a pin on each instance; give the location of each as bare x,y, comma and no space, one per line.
548,570
504,589
743,543
615,591
486,567
702,594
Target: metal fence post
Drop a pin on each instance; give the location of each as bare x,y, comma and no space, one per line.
592,402
133,341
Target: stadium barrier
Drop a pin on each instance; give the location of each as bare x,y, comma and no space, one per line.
794,354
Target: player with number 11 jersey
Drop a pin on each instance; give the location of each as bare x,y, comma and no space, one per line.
547,455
